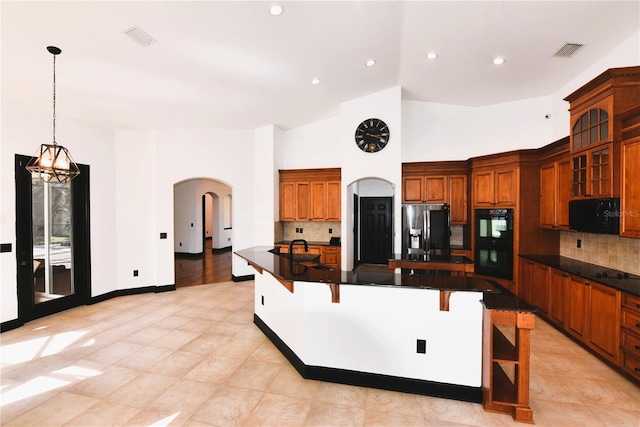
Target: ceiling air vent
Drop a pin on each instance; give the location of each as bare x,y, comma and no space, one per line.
568,50
139,36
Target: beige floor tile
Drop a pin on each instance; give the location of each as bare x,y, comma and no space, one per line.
144,358
148,417
330,414
339,394
177,364
453,411
56,411
228,406
277,410
267,352
254,375
113,352
104,414
206,343
109,380
564,414
374,417
146,336
288,382
215,369
392,401
175,339
141,390
183,397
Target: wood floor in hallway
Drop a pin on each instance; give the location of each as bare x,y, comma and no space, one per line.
210,267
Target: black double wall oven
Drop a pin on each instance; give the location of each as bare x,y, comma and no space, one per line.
494,243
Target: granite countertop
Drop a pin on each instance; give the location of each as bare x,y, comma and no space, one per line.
283,268
628,282
453,259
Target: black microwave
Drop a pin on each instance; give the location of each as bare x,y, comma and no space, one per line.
601,216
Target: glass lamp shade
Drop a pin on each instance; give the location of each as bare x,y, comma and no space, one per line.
53,163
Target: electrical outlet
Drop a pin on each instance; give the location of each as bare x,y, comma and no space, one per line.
330,230
180,243
421,346
163,235
135,273
579,243
301,230
262,299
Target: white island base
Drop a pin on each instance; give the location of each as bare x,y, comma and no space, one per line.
371,335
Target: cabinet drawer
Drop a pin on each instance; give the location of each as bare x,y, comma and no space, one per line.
631,321
630,343
631,302
630,364
331,249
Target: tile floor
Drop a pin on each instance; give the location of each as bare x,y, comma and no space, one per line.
193,357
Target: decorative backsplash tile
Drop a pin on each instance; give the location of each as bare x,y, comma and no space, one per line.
619,253
308,230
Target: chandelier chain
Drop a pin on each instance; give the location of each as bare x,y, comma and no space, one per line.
54,99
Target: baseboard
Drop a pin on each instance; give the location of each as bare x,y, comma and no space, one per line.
131,291
365,379
243,278
221,250
10,324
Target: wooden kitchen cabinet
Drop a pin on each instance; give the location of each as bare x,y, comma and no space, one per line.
437,182
555,188
577,304
630,335
630,175
596,128
604,320
534,284
558,283
495,188
310,195
331,256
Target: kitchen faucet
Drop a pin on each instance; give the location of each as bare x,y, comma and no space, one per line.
293,242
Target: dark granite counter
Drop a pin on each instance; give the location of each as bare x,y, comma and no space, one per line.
281,267
613,278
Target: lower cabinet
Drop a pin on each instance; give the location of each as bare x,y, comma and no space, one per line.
331,256
630,335
577,294
604,319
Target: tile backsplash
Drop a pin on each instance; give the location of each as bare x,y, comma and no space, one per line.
311,231
618,253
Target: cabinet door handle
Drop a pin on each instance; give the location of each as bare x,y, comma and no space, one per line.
636,369
637,305
637,347
637,325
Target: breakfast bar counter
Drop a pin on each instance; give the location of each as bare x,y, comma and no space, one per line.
410,333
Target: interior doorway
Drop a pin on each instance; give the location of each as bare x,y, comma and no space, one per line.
52,243
203,232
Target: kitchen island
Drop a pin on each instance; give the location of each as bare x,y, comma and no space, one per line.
413,334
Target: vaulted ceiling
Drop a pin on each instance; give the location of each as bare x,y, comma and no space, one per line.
232,65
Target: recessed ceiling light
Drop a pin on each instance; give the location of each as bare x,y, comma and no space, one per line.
498,60
315,81
432,55
371,63
276,10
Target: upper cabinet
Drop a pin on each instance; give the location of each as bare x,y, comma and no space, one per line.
495,180
595,131
437,182
310,195
555,185
630,175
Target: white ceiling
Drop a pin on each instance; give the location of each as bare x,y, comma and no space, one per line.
230,64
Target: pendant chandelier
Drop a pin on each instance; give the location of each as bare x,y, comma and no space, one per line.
52,162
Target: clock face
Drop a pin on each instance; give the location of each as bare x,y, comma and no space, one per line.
372,135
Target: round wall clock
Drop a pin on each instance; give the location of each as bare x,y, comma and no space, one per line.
372,135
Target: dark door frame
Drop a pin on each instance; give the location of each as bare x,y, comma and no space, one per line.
27,308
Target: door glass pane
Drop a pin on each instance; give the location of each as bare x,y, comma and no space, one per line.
51,222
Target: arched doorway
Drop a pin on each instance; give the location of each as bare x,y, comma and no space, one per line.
203,231
372,212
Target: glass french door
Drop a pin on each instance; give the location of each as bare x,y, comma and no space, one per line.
51,217
52,243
